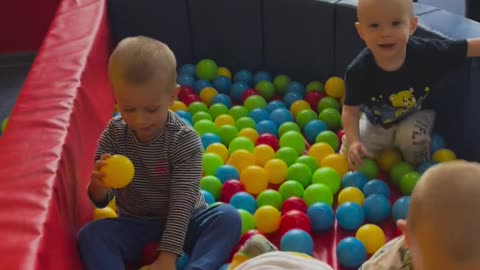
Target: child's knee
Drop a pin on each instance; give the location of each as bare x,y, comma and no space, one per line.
229,218
90,234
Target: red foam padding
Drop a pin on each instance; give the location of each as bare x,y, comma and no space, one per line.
48,147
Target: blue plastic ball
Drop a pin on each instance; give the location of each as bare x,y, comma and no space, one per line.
245,201
313,128
200,84
184,114
223,99
209,138
237,91
187,69
437,143
377,208
275,104
185,80
376,187
351,252
208,197
350,216
227,172
280,116
425,166
321,217
291,97
296,240
188,122
244,76
266,126
259,115
182,262
295,87
354,179
261,76
222,84
400,208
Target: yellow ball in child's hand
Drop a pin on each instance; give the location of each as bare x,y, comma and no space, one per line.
118,171
101,213
113,204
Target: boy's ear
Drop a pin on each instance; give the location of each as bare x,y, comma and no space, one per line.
402,226
174,94
413,24
359,30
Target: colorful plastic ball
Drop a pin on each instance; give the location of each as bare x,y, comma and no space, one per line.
293,139
227,172
377,208
398,171
255,102
200,84
354,179
408,182
244,76
305,116
187,69
184,115
259,115
437,143
309,161
241,143
230,188
328,137
189,99
313,129
211,184
319,151
294,203
118,171
245,201
314,86
297,241
295,87
209,138
266,126
261,76
287,154
376,187
227,134
328,177
225,72
206,69
369,168
185,91
249,133
270,197
350,216
197,106
186,80
277,171
207,94
248,235
351,253
263,153
275,104
280,82
425,166
300,173
218,109
267,219
241,159
291,188
313,98
268,139
388,158
224,120
400,208
372,237
254,178
248,93
351,194
222,84
318,193
266,89
178,106
337,162
201,116
280,116
328,102
290,98
321,217
288,126
222,99
219,149
208,197
299,106
248,223
294,219
443,155
237,90
335,87
245,122
331,117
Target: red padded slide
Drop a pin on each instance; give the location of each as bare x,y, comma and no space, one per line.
48,149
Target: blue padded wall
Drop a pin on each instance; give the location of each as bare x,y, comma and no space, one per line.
227,31
165,20
299,38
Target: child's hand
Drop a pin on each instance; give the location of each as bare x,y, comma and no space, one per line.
96,177
356,152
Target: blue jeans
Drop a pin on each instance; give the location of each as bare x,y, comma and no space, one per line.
110,243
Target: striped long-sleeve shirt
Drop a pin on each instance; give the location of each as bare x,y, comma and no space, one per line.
165,186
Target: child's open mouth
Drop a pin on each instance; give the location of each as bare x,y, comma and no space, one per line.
387,45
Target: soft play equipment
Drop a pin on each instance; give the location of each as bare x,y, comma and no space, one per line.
49,145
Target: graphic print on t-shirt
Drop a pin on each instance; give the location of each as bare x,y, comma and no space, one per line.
386,110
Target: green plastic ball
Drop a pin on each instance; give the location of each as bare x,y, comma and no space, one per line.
241,143
287,154
329,177
291,188
293,139
255,102
238,112
206,69
227,133
369,168
197,106
211,184
280,82
266,89
318,193
270,197
331,117
314,86
305,116
217,109
301,173
329,137
398,171
408,182
309,161
288,126
200,116
205,126
328,102
245,122
248,222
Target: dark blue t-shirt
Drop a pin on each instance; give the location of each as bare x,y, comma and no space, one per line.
386,97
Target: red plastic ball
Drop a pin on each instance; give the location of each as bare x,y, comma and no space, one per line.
249,92
268,139
313,98
294,219
230,188
185,91
189,99
294,203
340,135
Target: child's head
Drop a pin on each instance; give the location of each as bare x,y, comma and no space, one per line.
443,218
385,26
142,72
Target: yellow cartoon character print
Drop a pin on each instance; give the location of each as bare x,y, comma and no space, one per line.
403,101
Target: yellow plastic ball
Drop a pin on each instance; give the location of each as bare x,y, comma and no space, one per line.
388,158
241,159
178,106
263,153
254,179
219,149
267,219
443,155
335,87
207,94
225,72
337,162
299,106
319,151
249,133
118,171
101,213
351,194
224,120
372,237
277,170
113,204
